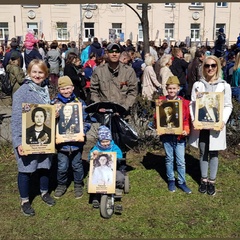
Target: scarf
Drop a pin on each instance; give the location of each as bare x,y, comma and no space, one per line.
67,100
41,91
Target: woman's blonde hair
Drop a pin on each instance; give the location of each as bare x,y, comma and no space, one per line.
165,59
237,62
40,63
149,60
214,58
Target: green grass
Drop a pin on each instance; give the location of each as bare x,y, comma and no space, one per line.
149,210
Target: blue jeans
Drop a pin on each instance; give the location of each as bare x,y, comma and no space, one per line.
174,147
64,159
24,182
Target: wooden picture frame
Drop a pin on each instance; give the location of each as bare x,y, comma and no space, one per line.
209,110
70,130
102,179
172,124
38,128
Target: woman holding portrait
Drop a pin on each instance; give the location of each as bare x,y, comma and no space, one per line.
210,141
33,92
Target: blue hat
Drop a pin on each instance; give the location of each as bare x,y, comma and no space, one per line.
104,133
221,30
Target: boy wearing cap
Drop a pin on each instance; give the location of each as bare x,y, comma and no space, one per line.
69,152
175,144
106,144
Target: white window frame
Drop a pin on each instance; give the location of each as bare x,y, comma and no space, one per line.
4,30
90,31
116,4
62,33
33,26
219,25
222,4
196,4
118,29
195,31
170,5
89,6
169,30
140,32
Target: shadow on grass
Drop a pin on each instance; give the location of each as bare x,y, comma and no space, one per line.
157,162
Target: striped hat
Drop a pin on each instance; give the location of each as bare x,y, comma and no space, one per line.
104,133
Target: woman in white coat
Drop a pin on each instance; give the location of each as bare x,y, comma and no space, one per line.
210,142
150,83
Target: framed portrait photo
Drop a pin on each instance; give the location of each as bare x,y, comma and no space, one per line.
38,128
102,173
209,110
169,117
69,126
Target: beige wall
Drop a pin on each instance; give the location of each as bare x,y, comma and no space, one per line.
105,15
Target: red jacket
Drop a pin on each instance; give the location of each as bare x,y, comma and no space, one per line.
185,112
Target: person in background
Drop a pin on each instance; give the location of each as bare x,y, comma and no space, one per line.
73,70
53,58
17,74
150,83
209,141
179,68
32,91
220,44
194,71
85,52
165,72
235,82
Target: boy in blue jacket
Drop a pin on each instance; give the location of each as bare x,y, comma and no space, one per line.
69,152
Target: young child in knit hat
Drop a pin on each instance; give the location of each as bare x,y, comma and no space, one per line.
105,143
69,152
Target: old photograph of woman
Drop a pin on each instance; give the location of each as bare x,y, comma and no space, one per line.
38,132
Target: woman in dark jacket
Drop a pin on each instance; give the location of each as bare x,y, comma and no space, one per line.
73,70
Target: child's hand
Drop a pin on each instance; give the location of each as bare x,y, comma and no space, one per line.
159,102
94,154
184,133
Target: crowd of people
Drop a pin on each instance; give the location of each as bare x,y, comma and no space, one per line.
118,73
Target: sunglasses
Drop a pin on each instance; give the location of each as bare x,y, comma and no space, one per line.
214,65
113,51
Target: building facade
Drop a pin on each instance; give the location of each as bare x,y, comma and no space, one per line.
196,22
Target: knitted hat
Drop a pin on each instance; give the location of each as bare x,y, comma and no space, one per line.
64,81
173,80
104,133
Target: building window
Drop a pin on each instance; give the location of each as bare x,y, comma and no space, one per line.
118,28
3,30
89,6
116,5
88,30
196,4
139,6
62,33
140,32
195,32
170,5
30,6
169,30
34,27
222,4
219,25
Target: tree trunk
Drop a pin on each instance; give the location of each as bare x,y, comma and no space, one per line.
145,26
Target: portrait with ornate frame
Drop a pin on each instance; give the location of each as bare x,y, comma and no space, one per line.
209,110
69,126
169,117
38,128
102,173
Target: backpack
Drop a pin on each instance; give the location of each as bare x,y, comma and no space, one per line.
6,85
